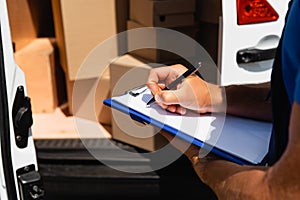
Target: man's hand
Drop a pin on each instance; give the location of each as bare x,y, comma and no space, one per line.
193,93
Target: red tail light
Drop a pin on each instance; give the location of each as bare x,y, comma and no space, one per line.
255,11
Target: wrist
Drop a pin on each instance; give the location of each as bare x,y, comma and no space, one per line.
218,98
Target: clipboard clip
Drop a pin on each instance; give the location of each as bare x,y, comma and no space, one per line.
137,90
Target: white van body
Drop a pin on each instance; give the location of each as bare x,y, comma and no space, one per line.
19,178
259,37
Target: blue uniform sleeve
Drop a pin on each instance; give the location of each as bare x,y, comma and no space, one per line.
290,53
297,65
297,88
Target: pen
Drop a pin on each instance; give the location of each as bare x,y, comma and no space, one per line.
178,80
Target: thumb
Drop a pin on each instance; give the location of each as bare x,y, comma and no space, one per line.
167,97
155,87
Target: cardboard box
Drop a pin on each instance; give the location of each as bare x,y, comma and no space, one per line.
87,101
167,13
128,72
29,19
158,55
81,25
37,60
21,23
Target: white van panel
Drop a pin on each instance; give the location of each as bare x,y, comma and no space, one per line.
234,37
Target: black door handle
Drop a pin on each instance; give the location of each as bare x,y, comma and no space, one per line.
22,117
254,55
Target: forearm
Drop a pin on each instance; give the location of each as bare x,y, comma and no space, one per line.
234,182
249,101
284,177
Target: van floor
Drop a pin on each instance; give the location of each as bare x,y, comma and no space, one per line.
70,171
91,166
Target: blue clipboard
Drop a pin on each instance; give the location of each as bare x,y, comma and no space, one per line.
138,116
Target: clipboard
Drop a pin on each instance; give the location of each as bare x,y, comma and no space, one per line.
240,140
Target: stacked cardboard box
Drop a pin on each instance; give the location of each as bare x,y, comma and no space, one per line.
37,60
34,51
21,23
177,15
29,20
164,13
80,26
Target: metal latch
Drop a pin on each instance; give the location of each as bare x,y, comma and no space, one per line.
30,184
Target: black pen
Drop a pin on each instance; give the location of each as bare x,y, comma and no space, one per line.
178,80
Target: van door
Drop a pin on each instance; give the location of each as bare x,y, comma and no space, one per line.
250,32
19,178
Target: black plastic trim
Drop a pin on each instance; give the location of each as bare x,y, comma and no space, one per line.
5,133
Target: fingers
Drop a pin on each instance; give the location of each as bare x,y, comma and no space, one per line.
176,109
172,100
163,74
169,101
157,78
166,97
166,75
154,87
